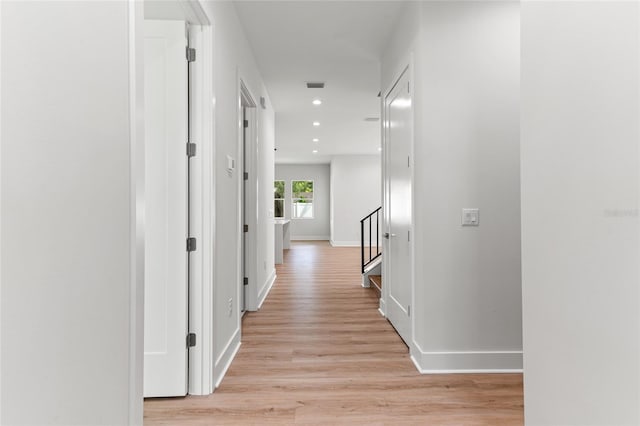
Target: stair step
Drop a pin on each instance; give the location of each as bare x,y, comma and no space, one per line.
376,280
373,264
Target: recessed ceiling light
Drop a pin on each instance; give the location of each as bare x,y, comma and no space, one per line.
316,123
315,151
316,140
317,102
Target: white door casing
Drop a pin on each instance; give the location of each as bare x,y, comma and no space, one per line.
166,304
397,280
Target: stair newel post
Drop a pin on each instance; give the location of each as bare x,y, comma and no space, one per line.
377,233
369,237
362,243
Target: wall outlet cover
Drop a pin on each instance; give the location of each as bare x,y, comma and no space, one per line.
470,217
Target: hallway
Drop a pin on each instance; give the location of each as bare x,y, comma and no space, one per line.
318,352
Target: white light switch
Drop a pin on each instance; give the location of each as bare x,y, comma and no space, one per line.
231,163
470,217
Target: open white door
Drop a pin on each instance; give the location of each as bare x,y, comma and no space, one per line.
397,277
166,309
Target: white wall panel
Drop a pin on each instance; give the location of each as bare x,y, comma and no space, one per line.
66,214
580,204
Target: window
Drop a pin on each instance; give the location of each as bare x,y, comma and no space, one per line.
278,198
302,197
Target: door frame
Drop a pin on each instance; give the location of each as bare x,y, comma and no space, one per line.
406,67
202,215
202,199
249,165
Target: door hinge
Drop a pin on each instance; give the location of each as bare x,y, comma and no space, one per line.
245,228
191,340
409,310
245,281
246,176
191,149
191,54
246,123
408,87
408,161
408,235
191,244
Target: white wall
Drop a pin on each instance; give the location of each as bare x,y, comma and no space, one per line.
580,204
467,306
233,59
307,229
356,191
265,171
67,216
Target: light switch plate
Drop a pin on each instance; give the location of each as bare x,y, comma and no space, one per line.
470,217
231,163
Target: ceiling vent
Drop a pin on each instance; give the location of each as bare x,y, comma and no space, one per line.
371,119
315,85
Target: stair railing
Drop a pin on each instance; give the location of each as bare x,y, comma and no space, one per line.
373,254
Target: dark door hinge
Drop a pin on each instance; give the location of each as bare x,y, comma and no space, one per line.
245,228
191,149
191,244
245,281
191,340
191,54
246,123
246,176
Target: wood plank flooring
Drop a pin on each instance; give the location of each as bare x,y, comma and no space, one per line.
318,352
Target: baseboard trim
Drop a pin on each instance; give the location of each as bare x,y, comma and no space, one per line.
266,288
464,362
311,238
381,308
226,357
345,243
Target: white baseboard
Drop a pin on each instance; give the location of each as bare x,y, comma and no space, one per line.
381,308
266,288
345,243
466,361
226,357
310,238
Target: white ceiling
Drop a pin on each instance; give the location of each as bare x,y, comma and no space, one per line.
337,42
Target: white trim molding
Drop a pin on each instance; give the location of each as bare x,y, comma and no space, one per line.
136,219
458,362
226,357
310,238
266,288
347,244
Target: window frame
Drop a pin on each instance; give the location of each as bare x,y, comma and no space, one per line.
284,195
293,200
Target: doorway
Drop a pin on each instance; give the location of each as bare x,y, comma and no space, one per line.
178,159
398,246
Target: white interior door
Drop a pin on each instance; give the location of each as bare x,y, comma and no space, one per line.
165,321
397,279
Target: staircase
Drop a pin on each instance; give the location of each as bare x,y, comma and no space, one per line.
376,281
371,253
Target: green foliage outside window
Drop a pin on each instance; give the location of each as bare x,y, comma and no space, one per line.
302,198
302,189
278,196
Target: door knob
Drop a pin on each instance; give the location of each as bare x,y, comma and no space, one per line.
386,235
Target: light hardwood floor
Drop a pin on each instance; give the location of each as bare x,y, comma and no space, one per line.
318,352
